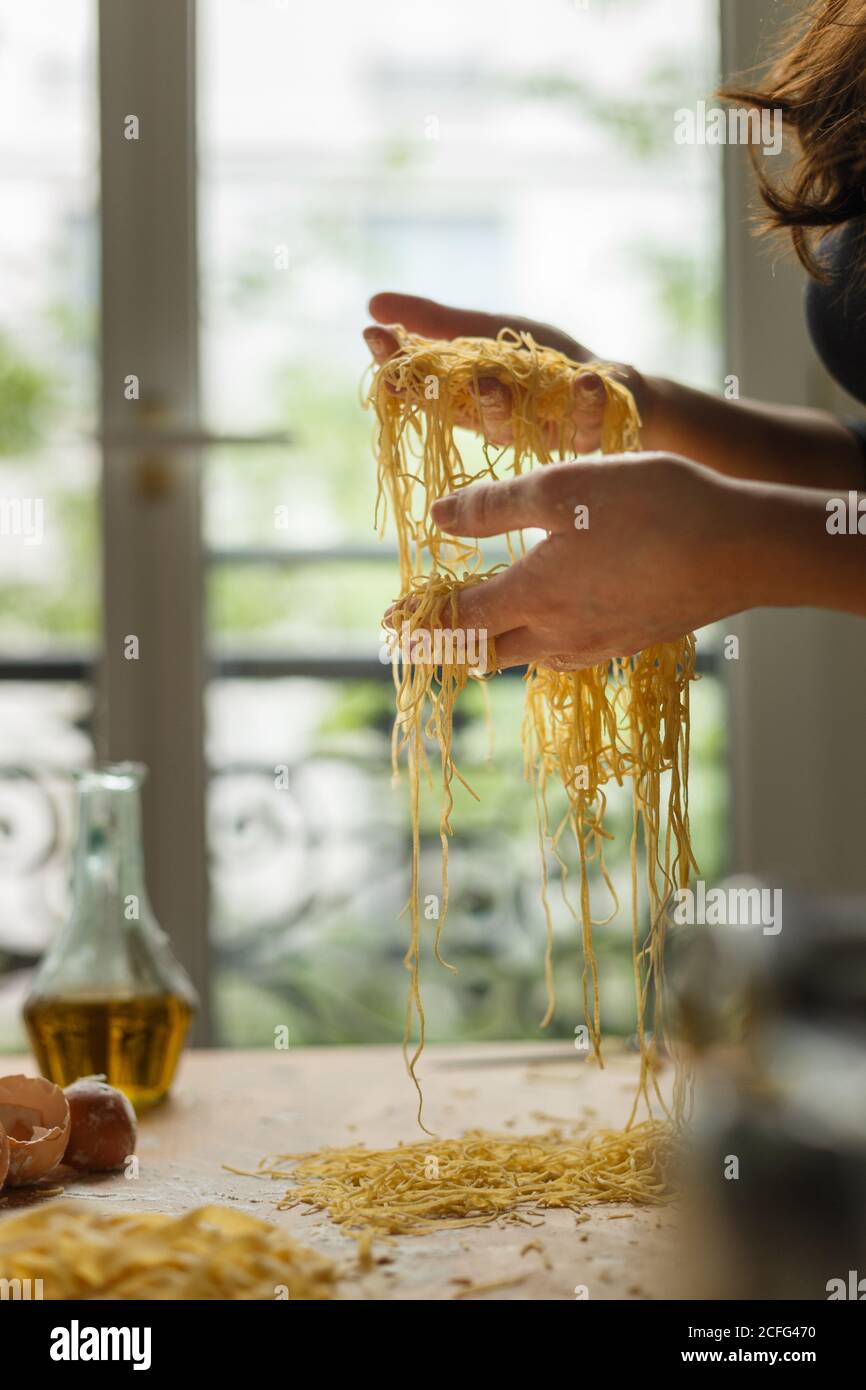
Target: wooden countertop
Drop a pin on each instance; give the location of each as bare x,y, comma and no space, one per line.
235,1107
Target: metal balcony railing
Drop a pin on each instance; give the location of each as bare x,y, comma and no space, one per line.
79,664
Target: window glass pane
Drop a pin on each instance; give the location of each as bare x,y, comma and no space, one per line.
310,846
49,547
305,610
48,324
465,153
44,738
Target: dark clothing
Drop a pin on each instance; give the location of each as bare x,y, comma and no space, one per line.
836,312
858,427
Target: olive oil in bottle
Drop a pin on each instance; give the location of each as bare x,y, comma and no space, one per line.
134,1042
110,997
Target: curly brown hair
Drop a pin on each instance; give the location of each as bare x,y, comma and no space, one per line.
818,82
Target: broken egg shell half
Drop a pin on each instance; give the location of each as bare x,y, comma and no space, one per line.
35,1115
4,1155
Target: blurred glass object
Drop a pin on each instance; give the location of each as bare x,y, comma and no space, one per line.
109,997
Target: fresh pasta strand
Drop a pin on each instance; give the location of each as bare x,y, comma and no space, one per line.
427,690
477,1179
623,723
82,1250
626,722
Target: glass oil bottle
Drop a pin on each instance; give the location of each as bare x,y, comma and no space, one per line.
109,996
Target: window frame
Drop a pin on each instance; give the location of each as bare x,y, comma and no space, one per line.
152,708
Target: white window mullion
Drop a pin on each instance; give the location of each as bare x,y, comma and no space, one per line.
151,707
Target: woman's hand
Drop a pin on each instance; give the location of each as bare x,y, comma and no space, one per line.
641,548
740,438
433,320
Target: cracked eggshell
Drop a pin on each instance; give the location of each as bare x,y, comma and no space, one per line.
35,1115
